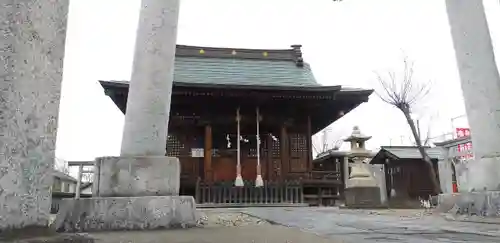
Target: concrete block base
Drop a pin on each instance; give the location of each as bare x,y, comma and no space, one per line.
363,197
137,176
125,213
485,204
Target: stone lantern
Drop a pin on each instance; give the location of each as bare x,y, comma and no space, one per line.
362,190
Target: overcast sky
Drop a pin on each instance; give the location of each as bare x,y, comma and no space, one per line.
344,42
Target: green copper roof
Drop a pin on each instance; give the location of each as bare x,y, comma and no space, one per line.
234,71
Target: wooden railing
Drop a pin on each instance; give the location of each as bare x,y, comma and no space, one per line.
315,175
287,192
323,187
324,175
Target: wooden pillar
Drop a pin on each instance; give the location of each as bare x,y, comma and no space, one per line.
208,153
285,152
309,145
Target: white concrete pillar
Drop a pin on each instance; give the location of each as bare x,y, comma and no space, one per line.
481,88
33,34
78,182
258,180
148,104
238,181
143,183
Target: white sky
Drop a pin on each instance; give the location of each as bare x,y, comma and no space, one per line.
345,42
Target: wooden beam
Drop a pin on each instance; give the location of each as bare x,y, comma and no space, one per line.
309,144
78,163
208,153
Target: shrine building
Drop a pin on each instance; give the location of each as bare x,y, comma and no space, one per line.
241,122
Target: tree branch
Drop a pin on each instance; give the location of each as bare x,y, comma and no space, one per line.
403,93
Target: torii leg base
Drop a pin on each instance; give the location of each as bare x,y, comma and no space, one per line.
125,213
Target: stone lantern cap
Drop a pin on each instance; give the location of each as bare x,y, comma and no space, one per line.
357,136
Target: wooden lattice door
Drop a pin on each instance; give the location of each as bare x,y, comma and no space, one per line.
274,158
298,152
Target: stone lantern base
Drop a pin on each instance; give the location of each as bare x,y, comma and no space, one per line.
363,197
362,190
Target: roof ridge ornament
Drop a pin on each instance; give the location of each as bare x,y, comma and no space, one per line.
297,54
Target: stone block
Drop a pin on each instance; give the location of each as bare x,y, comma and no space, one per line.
378,173
125,213
137,176
485,203
363,197
445,170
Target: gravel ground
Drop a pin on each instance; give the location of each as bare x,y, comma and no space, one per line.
214,226
220,218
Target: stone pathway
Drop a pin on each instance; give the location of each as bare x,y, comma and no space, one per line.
322,225
243,234
414,226
215,226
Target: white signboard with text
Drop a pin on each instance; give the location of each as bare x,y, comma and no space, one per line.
197,152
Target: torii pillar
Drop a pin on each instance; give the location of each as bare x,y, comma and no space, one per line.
31,67
140,189
480,82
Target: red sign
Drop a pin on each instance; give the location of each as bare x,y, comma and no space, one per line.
466,147
462,132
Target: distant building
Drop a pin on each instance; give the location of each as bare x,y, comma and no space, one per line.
86,188
63,182
406,172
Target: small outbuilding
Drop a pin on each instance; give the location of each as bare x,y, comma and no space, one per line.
406,171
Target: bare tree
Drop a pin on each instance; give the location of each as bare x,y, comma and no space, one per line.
404,93
327,142
426,138
87,177
61,165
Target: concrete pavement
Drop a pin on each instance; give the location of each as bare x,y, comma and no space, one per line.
243,234
378,225
323,225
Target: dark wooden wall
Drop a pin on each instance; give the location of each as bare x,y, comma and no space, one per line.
288,156
411,178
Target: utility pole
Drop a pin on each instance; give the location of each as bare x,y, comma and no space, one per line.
418,129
